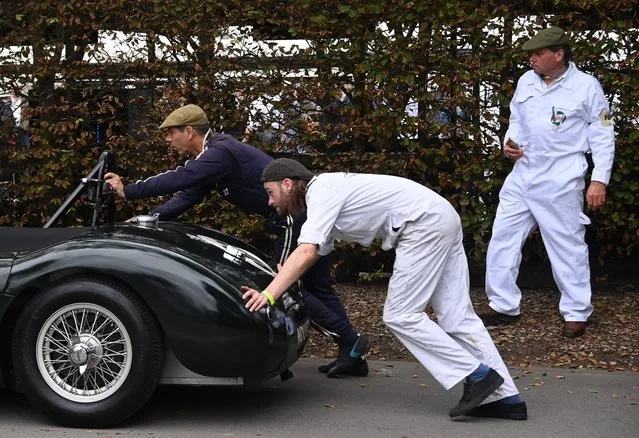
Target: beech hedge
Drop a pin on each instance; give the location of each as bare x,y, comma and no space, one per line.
416,89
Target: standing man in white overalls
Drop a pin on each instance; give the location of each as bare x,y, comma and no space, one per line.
558,114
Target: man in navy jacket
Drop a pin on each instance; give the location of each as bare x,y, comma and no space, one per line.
234,169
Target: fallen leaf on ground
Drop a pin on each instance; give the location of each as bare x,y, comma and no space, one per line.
611,341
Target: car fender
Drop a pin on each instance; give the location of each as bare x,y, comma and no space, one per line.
6,261
203,317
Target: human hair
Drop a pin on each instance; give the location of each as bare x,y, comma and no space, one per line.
298,197
199,129
567,53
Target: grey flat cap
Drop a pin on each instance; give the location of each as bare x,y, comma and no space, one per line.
188,115
282,168
552,36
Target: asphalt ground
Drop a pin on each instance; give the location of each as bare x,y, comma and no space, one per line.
398,399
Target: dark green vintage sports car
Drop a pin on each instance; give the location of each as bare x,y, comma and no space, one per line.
92,319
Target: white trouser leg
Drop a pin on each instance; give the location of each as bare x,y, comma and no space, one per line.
430,264
563,232
513,224
456,316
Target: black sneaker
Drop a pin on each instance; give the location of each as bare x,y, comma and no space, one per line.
350,366
361,346
476,392
497,409
358,349
325,368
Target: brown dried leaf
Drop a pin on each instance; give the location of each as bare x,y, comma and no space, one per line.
535,341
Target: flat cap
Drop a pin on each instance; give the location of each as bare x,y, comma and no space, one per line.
282,168
552,36
188,115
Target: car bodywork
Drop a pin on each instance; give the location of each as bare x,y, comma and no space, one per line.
188,277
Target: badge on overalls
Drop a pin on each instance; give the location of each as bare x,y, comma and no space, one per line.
557,118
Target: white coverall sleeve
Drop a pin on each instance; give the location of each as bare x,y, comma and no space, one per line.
323,205
514,123
601,134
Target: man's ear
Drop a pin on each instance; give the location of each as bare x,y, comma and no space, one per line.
288,184
189,132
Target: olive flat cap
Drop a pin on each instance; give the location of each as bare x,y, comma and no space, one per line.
282,168
188,115
552,36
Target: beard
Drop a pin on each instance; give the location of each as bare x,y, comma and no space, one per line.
293,202
282,208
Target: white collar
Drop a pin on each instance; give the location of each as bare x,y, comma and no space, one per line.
204,146
206,136
565,80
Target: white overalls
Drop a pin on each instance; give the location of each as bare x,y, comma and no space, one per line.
555,125
430,267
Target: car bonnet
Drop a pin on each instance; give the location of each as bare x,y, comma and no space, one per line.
233,260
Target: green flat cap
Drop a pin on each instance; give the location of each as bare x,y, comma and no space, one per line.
188,115
282,168
552,36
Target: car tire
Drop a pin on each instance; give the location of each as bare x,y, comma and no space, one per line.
87,352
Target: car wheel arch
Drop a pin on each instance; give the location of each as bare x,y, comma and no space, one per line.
24,297
100,298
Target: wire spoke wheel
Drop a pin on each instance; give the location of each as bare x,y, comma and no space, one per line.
87,351
84,352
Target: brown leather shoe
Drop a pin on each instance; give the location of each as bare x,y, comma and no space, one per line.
574,329
492,317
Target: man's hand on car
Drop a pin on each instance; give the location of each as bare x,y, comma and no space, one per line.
116,184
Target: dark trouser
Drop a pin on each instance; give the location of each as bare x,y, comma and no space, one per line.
324,306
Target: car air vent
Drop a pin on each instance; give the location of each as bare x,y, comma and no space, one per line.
235,254
145,220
